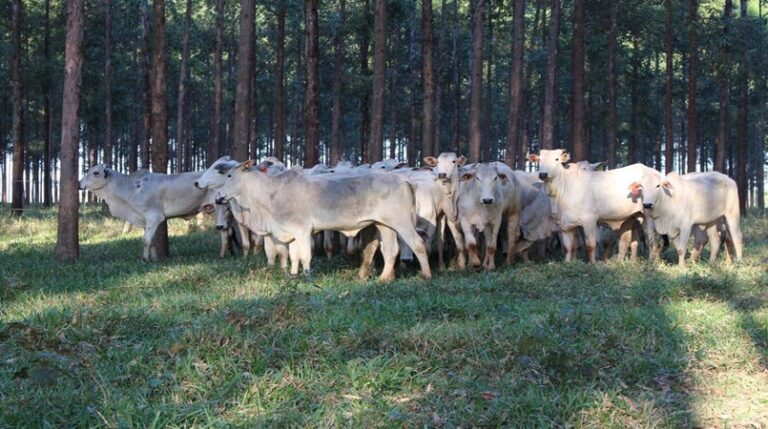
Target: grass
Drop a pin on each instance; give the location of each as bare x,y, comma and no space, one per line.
206,342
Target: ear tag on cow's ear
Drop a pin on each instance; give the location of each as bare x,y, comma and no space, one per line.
467,176
503,177
635,189
430,161
263,168
248,164
461,160
565,157
533,157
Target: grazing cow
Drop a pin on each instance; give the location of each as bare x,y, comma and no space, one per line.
582,198
146,201
486,195
447,166
214,178
292,206
678,203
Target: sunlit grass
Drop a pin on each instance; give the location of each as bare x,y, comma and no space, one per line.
202,341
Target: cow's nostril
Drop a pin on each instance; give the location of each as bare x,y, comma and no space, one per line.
487,200
220,227
442,175
647,205
543,176
197,185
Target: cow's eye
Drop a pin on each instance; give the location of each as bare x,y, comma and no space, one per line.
95,173
229,175
454,161
557,159
658,186
221,172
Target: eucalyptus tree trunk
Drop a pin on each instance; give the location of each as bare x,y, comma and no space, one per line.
476,87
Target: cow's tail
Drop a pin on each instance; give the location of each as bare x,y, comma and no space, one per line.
414,203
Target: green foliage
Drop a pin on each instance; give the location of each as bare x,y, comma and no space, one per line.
201,341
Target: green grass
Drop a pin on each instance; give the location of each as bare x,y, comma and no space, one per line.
205,342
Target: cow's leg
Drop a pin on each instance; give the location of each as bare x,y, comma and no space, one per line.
370,243
458,238
681,243
328,243
269,250
127,227
305,251
624,243
389,249
569,244
700,239
416,243
440,238
714,242
651,239
224,248
244,234
282,252
734,229
471,242
150,254
590,241
491,233
294,250
513,233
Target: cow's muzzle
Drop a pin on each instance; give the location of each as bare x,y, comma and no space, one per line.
221,200
220,227
543,176
442,176
487,200
197,185
648,206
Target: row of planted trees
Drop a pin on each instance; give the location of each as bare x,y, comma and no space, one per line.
679,85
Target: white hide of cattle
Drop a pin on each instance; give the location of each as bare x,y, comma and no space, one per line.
214,178
678,203
582,198
485,196
293,206
388,165
147,201
447,166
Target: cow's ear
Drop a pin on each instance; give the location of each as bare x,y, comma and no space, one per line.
504,178
599,166
467,176
667,184
461,160
430,161
401,165
248,164
565,157
533,157
635,188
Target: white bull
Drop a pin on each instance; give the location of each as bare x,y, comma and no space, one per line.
146,201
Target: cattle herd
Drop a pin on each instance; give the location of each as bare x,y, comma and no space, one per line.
390,207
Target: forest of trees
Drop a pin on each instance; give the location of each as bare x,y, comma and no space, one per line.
171,85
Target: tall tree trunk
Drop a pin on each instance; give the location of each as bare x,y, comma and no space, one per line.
761,127
393,97
365,118
725,86
741,138
456,63
279,151
216,149
428,78
668,131
477,81
182,137
47,147
693,57
17,135
133,144
379,70
633,104
159,115
108,82
612,84
550,89
146,103
580,149
338,74
412,71
312,93
488,123
67,245
516,85
441,79
244,71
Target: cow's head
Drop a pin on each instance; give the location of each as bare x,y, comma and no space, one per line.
489,180
551,162
216,174
654,193
388,165
592,166
446,165
95,178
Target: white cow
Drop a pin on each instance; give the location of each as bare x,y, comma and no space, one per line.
292,206
146,201
695,200
447,166
582,198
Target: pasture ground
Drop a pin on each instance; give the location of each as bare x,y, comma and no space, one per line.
198,341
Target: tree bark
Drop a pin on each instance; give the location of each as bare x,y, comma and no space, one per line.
379,78
477,81
67,245
516,85
741,138
725,89
312,93
17,135
279,151
550,89
580,149
428,79
365,119
47,147
216,149
338,74
612,84
244,70
441,79
146,92
393,97
693,56
182,134
412,71
668,130
488,123
633,105
159,115
108,82
456,63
